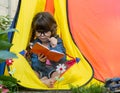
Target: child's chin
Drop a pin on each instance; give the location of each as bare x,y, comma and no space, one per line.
44,40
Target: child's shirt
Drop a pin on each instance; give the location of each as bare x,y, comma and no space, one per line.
40,66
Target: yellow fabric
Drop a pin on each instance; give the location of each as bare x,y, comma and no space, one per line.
78,75
6,71
23,72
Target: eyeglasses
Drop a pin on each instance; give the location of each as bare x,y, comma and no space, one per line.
38,33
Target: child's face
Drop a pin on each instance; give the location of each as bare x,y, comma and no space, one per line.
44,36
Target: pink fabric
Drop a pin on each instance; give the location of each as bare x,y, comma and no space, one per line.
48,62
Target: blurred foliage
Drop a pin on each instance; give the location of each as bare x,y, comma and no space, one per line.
9,83
93,88
5,22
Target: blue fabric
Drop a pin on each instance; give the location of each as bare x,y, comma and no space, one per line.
2,67
13,25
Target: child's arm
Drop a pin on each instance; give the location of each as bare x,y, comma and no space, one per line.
60,48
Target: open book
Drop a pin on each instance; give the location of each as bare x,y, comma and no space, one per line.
51,54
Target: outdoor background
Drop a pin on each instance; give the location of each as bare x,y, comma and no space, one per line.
8,7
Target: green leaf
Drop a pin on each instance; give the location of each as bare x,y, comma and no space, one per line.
4,54
4,45
9,82
4,37
8,78
2,60
9,30
5,22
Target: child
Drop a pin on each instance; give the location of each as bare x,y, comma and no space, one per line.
44,31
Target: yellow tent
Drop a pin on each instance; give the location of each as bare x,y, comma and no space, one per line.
79,74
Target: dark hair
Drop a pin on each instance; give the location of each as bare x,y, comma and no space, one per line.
44,22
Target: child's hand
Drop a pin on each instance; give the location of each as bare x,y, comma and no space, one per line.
53,41
31,45
42,58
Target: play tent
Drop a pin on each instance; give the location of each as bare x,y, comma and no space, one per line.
90,30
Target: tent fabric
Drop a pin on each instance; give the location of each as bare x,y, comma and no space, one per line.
2,68
79,74
49,7
13,25
95,27
89,29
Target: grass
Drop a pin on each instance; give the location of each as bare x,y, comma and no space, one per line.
11,83
93,88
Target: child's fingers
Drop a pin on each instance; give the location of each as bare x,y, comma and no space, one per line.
31,45
53,41
42,57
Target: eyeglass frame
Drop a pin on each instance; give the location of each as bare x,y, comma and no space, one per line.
44,33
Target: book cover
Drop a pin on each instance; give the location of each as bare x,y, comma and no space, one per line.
51,54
